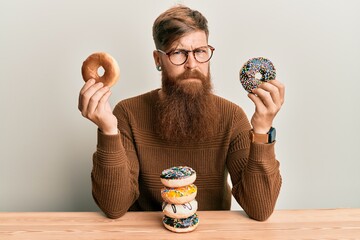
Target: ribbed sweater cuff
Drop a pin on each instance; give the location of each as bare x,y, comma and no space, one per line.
109,143
262,152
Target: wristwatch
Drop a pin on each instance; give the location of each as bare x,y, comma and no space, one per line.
269,137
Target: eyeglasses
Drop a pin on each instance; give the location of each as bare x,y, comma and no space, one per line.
180,56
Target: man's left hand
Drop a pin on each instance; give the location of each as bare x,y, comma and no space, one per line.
268,98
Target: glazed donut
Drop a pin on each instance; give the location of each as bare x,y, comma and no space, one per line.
256,71
180,210
91,65
181,224
178,176
179,195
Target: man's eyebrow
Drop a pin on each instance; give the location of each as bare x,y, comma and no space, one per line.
183,49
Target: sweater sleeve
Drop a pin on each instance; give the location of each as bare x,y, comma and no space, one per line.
254,171
115,170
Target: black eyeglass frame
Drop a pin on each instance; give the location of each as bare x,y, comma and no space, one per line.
187,54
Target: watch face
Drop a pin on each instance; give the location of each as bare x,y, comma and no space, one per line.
272,135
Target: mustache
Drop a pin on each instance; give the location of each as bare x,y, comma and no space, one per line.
191,74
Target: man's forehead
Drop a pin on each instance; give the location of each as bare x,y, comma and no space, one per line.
191,41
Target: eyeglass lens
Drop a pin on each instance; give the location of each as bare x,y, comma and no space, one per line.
180,56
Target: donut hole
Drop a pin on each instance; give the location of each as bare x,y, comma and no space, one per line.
100,71
258,76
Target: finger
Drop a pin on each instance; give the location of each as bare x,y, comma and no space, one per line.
259,105
264,96
104,101
87,85
84,88
281,88
95,99
86,96
274,93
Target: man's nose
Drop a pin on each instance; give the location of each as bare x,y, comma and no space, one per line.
191,61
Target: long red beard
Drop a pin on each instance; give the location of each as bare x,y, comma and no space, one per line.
187,112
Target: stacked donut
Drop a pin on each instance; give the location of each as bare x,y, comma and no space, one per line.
179,194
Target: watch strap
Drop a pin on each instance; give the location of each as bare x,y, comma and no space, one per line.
259,138
263,138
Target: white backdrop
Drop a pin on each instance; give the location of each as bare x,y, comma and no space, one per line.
46,146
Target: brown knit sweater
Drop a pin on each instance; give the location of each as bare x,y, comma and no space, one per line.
126,167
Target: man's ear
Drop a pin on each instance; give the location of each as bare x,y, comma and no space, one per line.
156,58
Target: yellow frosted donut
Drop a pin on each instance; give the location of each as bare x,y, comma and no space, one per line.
179,195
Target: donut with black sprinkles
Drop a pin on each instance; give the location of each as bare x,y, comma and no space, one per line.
256,71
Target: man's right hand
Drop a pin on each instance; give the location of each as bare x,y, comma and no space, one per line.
94,105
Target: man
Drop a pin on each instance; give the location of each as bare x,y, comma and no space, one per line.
183,123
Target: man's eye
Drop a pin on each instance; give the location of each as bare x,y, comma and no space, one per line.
200,50
177,52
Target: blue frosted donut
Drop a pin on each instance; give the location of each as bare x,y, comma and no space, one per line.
256,71
177,172
181,224
178,176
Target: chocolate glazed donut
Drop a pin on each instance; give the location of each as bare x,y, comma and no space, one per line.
256,71
91,65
